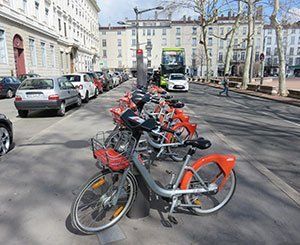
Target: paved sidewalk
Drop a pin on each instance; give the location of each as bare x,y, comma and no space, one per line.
37,186
288,100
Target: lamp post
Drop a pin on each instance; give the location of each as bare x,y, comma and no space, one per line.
141,71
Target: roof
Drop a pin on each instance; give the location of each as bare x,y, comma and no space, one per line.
173,49
295,25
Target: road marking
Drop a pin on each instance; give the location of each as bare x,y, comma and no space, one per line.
236,103
293,194
288,121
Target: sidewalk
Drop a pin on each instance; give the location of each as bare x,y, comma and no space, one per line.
38,184
287,100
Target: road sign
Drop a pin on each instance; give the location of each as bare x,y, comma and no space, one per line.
262,57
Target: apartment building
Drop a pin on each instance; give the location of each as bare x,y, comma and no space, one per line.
48,37
118,43
291,45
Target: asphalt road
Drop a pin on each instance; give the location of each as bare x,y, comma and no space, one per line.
267,130
40,177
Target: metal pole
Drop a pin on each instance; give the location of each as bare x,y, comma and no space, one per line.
262,71
252,51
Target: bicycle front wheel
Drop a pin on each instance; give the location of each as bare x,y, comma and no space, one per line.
206,203
93,209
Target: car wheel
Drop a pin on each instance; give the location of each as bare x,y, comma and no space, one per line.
5,138
86,98
79,101
62,110
9,93
23,113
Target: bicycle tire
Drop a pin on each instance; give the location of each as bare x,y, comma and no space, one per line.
78,224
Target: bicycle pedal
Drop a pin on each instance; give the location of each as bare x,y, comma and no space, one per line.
169,172
166,223
172,219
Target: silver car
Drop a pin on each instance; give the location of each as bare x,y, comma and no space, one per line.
44,93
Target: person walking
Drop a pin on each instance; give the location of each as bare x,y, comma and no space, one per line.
225,85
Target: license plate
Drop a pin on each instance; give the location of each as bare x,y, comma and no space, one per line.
34,95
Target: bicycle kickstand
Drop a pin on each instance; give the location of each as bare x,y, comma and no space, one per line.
171,218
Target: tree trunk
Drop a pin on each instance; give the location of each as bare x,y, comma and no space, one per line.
279,37
249,45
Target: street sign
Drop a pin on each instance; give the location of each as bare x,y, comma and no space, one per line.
262,57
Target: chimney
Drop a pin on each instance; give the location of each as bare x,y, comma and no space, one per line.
189,18
155,15
170,16
229,14
184,18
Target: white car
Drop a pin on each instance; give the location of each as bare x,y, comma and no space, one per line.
177,82
84,84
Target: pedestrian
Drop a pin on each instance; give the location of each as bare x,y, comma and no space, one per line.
225,85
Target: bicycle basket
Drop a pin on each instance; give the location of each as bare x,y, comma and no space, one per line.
113,150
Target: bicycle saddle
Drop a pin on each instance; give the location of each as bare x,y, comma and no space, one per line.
134,122
177,104
199,143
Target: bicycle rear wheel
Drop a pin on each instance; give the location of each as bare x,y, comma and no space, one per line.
210,202
93,209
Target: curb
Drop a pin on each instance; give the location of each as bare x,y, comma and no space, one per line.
253,95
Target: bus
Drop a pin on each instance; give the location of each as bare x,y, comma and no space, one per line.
172,61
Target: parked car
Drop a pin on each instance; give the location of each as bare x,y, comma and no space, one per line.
116,79
6,134
25,76
106,80
125,76
44,93
9,86
84,84
177,81
97,81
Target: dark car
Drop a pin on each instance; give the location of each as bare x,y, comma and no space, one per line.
25,76
6,134
9,86
106,80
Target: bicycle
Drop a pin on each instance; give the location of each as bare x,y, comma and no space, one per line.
203,187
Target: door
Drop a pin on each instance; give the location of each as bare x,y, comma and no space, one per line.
72,91
19,55
88,83
64,93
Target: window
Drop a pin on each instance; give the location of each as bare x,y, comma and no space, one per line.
244,30
119,33
119,53
194,42
243,56
104,55
153,32
269,31
52,56
275,51
293,31
3,51
178,31
235,56
244,44
292,40
236,42
209,52
275,61
268,51
298,51
259,30
37,5
148,32
149,53
67,61
133,33
258,43
43,47
119,42
221,43
194,30
193,52
24,6
284,40
210,41
149,63
104,33
222,31
164,32
47,15
32,52
210,30
103,42
144,32
297,61
290,63
178,43
65,29
59,24
148,41
299,40
220,58
164,42
133,42
269,40
291,51
256,56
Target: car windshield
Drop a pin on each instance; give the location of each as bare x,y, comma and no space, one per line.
2,79
73,78
31,84
177,77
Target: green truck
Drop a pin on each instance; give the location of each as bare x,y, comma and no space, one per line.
172,61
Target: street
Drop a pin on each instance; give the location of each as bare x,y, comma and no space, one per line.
40,177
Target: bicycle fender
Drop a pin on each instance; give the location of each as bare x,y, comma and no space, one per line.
191,127
182,117
225,162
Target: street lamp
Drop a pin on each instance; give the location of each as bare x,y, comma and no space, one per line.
141,73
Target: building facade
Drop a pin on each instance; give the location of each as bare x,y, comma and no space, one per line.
48,37
291,45
118,44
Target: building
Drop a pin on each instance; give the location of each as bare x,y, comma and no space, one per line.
48,37
118,43
291,45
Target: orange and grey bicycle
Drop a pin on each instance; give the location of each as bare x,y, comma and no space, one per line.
202,187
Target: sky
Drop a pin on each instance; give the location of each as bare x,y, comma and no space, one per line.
113,11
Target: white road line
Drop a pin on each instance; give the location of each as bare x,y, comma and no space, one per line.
236,103
288,121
